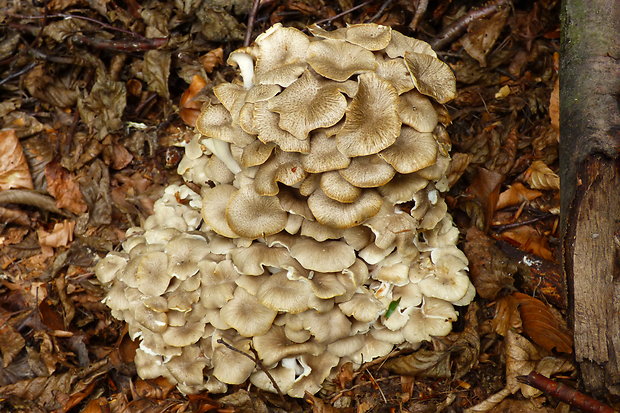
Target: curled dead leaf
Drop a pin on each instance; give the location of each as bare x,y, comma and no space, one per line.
60,236
515,195
14,172
62,186
189,107
540,176
212,59
528,239
482,34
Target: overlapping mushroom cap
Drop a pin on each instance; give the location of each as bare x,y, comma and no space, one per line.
319,209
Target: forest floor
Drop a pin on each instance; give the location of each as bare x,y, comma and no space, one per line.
90,103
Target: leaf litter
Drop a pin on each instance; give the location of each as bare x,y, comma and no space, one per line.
94,99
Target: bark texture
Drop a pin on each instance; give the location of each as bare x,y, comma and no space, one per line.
590,173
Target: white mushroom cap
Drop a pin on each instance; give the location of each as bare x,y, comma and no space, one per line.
107,268
214,202
363,306
147,273
281,294
326,256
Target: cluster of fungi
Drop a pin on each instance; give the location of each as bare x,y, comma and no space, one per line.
313,232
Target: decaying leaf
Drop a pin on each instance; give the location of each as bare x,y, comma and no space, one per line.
489,268
14,172
484,189
460,162
156,71
540,176
60,236
212,59
189,106
515,195
528,239
11,342
482,34
554,105
541,325
506,316
62,186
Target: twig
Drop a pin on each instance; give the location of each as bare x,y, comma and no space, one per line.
373,381
500,228
381,10
419,12
344,13
251,20
358,385
120,45
565,393
257,361
32,198
457,28
12,76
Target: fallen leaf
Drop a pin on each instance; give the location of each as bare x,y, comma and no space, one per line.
482,34
485,191
516,194
62,186
14,172
528,239
522,406
156,70
554,105
11,343
212,59
189,107
507,316
117,156
60,236
540,176
541,325
489,268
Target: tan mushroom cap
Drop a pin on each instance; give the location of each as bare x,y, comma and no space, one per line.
431,76
400,44
266,123
370,36
247,315
324,155
325,327
147,273
149,366
417,111
319,231
326,285
293,202
411,152
284,167
346,346
307,104
368,172
253,259
107,268
363,306
228,365
232,97
338,215
215,122
256,153
253,216
326,256
338,189
214,201
436,171
318,31
281,55
183,253
352,59
274,346
372,122
281,294
184,336
402,188
395,71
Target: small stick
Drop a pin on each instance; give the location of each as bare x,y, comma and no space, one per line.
32,198
120,45
12,76
257,361
454,30
381,10
565,393
358,385
344,13
504,227
251,20
419,12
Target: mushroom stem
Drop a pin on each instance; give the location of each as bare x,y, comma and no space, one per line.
221,149
246,66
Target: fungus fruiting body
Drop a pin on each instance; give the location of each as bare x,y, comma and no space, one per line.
314,232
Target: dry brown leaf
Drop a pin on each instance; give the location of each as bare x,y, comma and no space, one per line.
554,105
460,162
528,239
485,191
189,107
14,172
212,59
515,195
62,186
506,316
482,34
489,268
60,236
522,406
8,215
11,342
117,156
540,176
541,325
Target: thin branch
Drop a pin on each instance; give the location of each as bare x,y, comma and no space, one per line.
120,45
12,76
381,10
32,198
344,13
457,28
358,385
500,228
257,361
419,12
251,20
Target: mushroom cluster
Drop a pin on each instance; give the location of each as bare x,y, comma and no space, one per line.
319,235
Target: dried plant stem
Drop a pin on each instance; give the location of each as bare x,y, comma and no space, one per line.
257,361
344,13
457,28
419,12
251,20
32,198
